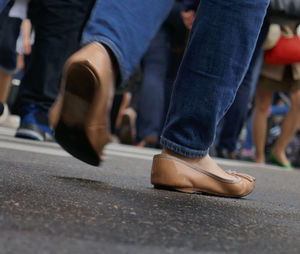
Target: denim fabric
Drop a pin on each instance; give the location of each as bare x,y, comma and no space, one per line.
218,54
235,117
127,28
3,4
58,26
154,65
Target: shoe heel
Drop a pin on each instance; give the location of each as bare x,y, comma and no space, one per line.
166,173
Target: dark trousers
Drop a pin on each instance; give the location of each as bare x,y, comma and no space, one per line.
58,26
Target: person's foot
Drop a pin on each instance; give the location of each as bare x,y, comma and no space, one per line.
34,124
7,119
247,154
80,116
149,142
127,130
171,170
3,112
224,153
280,159
260,159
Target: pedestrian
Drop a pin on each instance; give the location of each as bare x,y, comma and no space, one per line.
10,23
275,78
58,26
216,59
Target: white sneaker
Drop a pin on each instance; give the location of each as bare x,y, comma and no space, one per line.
4,114
8,120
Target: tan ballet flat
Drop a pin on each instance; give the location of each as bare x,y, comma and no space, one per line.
80,117
173,173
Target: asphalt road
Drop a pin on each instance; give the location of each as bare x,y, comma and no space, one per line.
53,203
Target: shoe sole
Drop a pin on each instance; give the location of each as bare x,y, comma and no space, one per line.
29,134
31,131
70,132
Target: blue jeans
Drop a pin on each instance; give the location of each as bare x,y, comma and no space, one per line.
218,54
235,117
127,28
154,65
3,4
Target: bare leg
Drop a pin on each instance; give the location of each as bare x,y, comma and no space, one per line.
5,80
263,100
290,125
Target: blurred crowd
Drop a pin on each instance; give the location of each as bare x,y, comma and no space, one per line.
36,38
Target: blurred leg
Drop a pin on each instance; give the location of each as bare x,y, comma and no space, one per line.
263,101
289,127
58,26
151,110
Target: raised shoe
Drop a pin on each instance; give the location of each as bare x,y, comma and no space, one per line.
80,116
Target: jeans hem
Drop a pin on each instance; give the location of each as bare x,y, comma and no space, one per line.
119,56
182,150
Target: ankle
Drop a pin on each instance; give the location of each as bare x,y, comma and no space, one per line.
259,159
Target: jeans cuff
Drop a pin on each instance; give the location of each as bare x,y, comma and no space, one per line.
124,73
181,149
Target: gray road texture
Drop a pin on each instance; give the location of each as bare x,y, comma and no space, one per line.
52,203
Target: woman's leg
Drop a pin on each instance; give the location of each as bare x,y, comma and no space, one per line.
5,80
151,109
290,125
115,38
216,59
263,101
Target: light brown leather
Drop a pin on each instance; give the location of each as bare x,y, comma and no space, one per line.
86,97
171,172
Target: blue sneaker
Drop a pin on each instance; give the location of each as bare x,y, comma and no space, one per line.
34,124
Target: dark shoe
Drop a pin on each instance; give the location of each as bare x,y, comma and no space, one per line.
81,114
150,142
127,131
173,173
224,153
34,125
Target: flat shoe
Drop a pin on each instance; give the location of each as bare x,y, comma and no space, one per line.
173,173
81,113
274,160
